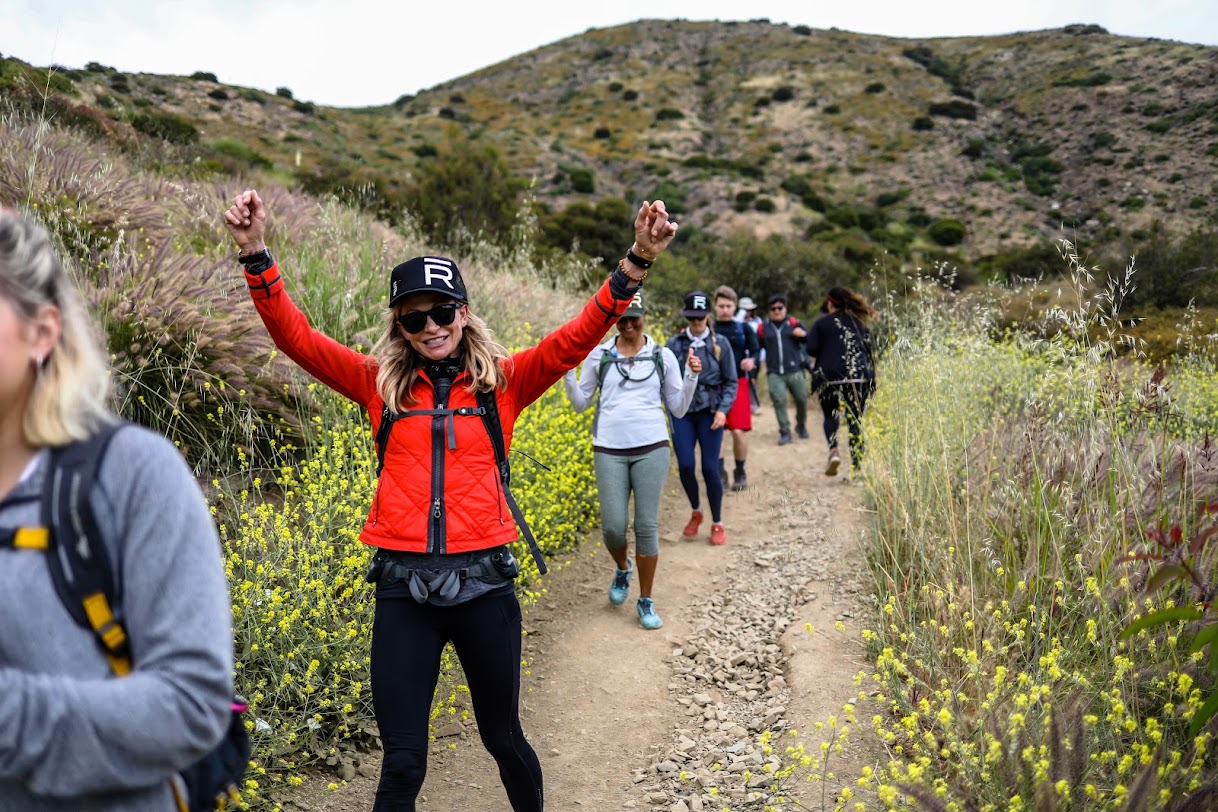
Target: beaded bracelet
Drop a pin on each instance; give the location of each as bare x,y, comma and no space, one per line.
621,266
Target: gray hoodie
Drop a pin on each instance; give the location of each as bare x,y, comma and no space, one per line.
72,735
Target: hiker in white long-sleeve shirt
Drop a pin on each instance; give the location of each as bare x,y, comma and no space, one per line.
632,379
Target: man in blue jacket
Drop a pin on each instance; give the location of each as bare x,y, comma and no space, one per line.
782,337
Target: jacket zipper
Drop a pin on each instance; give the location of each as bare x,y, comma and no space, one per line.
437,541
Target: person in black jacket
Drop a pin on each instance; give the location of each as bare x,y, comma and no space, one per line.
782,337
702,425
843,373
745,349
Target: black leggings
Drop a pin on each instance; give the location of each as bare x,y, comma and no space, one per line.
853,398
407,640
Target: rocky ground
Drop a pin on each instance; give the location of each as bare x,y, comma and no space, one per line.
676,719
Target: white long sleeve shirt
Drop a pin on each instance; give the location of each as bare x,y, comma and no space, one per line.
630,410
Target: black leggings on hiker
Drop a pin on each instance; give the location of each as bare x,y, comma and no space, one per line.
852,398
407,639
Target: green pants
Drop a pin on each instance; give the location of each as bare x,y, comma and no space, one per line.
797,384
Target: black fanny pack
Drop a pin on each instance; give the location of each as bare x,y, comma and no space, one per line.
498,566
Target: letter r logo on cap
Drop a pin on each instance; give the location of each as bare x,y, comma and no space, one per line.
440,269
699,303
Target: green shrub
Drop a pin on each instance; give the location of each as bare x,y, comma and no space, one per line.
1095,79
923,123
669,114
743,200
874,87
468,187
1198,202
425,150
305,107
783,93
947,232
165,125
614,87
602,132
833,109
765,204
284,92
953,109
802,30
630,95
219,93
595,229
237,150
204,76
582,180
885,199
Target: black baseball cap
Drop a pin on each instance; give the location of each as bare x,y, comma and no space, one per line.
435,274
778,298
697,305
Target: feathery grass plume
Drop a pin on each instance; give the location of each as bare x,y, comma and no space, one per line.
1139,797
86,198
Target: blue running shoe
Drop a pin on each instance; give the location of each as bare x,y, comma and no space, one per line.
621,584
648,618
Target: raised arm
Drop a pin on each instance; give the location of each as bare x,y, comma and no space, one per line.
537,368
341,368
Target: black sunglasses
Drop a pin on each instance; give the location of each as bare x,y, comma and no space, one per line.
777,306
442,315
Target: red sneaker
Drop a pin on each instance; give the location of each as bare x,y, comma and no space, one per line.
717,534
695,521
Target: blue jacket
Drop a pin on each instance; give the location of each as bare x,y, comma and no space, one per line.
716,390
743,340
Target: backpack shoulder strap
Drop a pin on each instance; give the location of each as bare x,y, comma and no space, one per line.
488,403
78,560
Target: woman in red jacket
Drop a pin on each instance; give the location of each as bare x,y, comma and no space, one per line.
440,519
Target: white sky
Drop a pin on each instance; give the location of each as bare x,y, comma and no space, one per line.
364,52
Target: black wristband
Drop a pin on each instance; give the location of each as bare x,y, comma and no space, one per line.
257,262
635,259
621,287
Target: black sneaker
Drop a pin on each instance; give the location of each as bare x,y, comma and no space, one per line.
784,437
722,472
740,481
802,432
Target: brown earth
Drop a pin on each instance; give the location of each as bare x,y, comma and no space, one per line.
600,701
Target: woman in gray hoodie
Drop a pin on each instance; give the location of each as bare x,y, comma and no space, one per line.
73,735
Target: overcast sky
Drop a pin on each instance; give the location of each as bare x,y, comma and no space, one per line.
363,52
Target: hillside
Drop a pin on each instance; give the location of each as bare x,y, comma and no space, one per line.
854,139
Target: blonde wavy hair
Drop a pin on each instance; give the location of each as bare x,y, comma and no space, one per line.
400,364
71,394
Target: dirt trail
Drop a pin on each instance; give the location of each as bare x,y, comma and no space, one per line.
602,699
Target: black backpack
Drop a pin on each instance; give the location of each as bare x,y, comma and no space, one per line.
488,410
79,562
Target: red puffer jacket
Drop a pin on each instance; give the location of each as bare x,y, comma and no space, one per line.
472,511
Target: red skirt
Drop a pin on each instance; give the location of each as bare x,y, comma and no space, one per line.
741,415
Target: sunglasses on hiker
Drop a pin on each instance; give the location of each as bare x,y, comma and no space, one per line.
441,315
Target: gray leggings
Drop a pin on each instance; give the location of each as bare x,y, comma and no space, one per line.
618,475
